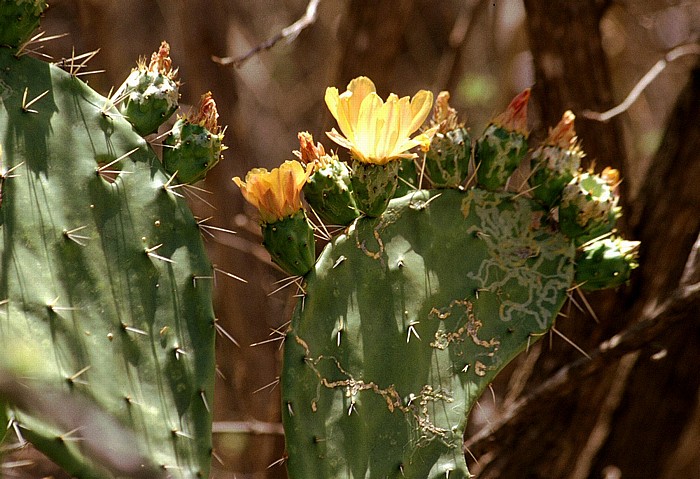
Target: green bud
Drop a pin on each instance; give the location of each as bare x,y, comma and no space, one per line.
329,192
290,242
503,145
607,263
194,146
588,207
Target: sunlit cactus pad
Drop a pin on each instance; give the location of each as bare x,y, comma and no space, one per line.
406,319
105,275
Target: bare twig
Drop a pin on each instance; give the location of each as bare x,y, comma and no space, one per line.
289,33
688,49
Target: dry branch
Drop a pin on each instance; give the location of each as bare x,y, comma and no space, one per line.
289,33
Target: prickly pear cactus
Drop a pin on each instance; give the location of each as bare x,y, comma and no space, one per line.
102,270
406,319
411,312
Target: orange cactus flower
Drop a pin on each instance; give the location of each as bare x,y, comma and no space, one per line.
277,193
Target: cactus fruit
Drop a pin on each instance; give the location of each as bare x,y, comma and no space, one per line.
104,271
555,163
194,144
408,316
290,242
447,160
503,145
19,18
374,185
606,263
588,206
329,189
150,94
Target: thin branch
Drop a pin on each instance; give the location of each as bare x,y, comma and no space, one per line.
689,49
289,33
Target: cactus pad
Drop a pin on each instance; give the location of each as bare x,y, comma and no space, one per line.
104,271
407,318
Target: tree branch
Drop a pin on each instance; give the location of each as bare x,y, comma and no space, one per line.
680,51
289,33
654,322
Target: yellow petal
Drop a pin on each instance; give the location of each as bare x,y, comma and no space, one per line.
276,193
360,88
425,138
376,131
367,126
421,105
389,133
332,100
339,139
405,120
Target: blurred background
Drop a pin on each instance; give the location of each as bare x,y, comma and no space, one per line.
483,52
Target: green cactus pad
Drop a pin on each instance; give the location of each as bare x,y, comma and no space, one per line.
103,270
374,185
406,320
607,263
290,242
190,150
150,99
499,152
329,191
447,161
18,19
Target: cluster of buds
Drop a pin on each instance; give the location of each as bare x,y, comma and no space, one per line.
379,136
377,133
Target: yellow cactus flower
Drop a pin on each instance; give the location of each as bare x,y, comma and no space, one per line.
376,131
277,193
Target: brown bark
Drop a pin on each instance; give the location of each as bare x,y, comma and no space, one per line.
618,411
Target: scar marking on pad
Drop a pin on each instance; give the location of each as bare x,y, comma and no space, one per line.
469,329
416,407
